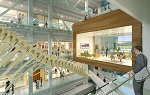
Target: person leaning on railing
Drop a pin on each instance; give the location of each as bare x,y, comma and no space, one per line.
140,64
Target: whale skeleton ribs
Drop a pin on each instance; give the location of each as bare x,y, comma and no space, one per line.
15,47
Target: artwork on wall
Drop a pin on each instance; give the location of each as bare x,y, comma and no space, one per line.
84,45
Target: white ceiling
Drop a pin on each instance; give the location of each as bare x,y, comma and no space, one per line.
139,9
41,7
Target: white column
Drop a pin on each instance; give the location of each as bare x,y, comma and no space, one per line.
146,50
50,80
50,10
30,81
30,12
99,8
49,43
86,5
50,76
30,38
30,20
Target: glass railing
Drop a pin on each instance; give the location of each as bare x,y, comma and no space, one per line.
117,86
59,83
22,25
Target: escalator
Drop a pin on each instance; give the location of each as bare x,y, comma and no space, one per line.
122,85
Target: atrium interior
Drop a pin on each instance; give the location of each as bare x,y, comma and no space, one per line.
72,47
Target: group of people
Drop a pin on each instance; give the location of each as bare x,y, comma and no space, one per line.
12,88
38,83
56,51
105,51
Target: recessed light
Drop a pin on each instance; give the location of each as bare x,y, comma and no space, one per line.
40,10
34,9
9,2
21,5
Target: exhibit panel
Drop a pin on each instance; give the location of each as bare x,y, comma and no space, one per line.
107,41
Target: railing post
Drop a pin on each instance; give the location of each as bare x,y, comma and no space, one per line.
86,5
30,81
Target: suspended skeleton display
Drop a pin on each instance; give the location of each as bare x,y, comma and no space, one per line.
12,43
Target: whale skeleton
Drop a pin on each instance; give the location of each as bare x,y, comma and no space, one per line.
12,44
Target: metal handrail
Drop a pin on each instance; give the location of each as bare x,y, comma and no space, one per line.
110,83
118,86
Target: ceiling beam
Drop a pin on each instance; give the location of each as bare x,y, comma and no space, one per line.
11,7
77,3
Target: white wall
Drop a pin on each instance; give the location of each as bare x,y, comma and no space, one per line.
84,39
146,48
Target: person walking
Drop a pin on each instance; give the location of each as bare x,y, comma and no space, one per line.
140,63
7,84
13,88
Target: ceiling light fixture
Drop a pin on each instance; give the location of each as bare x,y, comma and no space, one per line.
40,10
9,2
21,5
34,9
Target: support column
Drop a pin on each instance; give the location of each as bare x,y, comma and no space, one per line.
99,8
30,12
30,81
50,43
50,80
86,5
30,20
30,38
50,10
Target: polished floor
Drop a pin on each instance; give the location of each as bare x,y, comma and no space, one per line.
55,82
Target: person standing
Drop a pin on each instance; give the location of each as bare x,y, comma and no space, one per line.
41,81
46,24
106,51
103,49
58,51
140,63
19,18
22,18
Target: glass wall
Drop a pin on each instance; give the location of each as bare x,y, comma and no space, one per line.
111,45
38,20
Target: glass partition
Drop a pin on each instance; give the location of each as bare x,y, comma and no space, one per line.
111,45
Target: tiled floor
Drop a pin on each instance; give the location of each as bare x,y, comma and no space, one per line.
55,82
